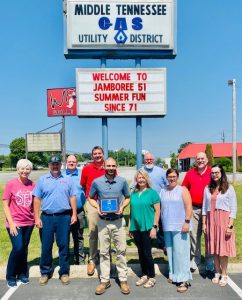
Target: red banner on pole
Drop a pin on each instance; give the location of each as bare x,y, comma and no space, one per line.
61,102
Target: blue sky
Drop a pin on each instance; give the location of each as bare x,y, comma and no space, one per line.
199,105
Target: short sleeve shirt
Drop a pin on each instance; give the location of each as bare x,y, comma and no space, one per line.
142,210
55,193
80,195
195,183
20,202
103,188
89,173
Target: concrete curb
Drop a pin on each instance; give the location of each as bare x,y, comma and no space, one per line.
133,270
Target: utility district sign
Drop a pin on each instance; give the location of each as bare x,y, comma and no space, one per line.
121,25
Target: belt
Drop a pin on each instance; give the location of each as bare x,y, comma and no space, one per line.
66,212
111,219
197,206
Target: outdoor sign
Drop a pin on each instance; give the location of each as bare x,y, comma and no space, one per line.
121,92
61,102
96,28
41,142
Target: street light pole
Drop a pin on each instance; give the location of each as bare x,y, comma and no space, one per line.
233,83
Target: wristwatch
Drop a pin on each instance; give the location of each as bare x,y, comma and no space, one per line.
230,226
187,221
154,226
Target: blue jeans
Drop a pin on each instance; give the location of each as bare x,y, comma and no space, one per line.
17,261
55,227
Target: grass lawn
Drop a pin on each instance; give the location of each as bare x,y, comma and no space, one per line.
34,247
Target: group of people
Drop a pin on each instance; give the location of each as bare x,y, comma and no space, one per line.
159,208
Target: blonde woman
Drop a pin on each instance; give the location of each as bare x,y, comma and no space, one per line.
144,218
17,206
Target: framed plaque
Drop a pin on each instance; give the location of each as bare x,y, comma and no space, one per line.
109,205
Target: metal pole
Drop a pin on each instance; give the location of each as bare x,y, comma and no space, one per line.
26,147
234,130
138,130
104,124
63,142
233,83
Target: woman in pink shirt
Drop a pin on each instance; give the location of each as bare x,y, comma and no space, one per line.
18,209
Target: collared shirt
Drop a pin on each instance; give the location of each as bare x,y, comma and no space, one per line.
80,195
55,193
157,176
103,188
89,173
196,182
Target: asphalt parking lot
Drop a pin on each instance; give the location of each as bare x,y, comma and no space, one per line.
84,288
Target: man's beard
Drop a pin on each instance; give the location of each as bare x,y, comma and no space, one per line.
149,166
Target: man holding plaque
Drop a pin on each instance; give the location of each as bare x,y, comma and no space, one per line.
112,194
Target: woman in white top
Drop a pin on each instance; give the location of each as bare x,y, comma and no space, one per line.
176,213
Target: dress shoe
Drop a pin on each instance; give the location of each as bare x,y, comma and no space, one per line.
101,288
43,279
90,268
124,287
65,279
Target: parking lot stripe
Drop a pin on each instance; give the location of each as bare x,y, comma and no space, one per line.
10,292
234,286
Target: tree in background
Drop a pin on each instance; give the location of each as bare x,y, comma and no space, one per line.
123,157
209,153
182,146
17,150
173,157
159,161
225,162
6,161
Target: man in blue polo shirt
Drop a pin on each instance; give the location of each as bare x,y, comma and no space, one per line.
55,194
77,228
111,224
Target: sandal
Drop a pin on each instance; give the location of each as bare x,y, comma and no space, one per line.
216,278
142,280
150,283
183,287
223,281
169,280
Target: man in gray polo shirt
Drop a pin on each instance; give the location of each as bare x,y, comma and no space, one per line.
111,225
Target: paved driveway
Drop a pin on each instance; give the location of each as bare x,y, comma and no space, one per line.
83,289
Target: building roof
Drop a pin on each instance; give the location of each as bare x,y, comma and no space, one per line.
219,150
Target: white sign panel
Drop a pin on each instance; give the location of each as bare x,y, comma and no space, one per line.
41,142
121,24
121,92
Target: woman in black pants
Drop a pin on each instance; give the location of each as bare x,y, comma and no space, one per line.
144,217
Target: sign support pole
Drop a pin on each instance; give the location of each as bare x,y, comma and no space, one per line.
138,130
104,124
63,142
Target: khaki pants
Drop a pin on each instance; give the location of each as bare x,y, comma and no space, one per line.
196,235
93,217
107,231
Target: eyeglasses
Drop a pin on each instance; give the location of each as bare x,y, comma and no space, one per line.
215,173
